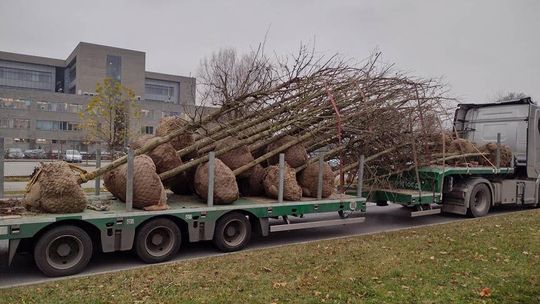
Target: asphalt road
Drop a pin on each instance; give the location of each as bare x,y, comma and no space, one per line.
378,219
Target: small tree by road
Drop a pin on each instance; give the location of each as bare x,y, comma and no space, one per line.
111,116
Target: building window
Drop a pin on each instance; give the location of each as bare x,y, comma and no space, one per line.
114,67
158,92
147,113
167,114
14,123
52,125
147,130
59,107
13,103
25,75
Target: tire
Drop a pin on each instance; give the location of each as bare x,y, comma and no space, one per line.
158,240
479,201
381,203
62,251
232,232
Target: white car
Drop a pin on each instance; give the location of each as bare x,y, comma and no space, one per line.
73,156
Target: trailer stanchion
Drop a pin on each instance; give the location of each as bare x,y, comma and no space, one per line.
1,167
498,159
129,183
360,177
98,164
211,172
320,177
281,177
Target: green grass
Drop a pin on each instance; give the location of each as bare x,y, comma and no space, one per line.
450,263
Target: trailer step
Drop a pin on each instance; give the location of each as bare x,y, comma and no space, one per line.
296,226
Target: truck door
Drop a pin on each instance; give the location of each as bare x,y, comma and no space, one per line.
533,142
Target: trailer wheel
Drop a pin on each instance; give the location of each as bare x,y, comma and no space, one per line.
479,201
158,240
381,203
232,233
62,251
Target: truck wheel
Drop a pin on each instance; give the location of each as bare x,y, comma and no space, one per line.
479,201
158,240
232,232
62,251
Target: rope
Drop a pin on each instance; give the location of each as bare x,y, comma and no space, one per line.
339,131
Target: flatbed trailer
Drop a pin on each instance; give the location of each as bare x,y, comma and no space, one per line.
434,192
63,244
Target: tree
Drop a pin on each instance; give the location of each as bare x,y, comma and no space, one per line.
111,116
225,77
510,96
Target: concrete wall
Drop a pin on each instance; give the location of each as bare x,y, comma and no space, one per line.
92,67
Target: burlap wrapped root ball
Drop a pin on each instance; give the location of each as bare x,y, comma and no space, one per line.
291,190
148,191
225,187
462,146
308,179
165,158
295,156
491,148
170,124
252,185
56,190
235,158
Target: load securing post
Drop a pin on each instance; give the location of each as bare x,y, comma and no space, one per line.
98,164
281,176
498,159
360,177
320,177
1,167
211,172
129,182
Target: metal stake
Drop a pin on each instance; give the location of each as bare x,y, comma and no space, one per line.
360,177
281,177
98,164
1,167
211,172
498,159
320,177
129,182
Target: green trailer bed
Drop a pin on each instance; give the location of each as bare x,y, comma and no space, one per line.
408,192
187,219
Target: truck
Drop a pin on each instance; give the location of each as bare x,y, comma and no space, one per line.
63,244
470,190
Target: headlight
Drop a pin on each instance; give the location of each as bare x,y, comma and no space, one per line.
3,230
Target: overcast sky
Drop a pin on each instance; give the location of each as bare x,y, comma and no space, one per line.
481,48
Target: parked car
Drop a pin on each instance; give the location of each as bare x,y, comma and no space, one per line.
35,153
14,153
73,156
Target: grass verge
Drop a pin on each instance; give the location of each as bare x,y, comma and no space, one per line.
493,260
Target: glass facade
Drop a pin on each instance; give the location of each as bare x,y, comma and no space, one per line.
26,75
161,90
114,67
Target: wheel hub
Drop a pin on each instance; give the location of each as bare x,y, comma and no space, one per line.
231,231
63,250
157,239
